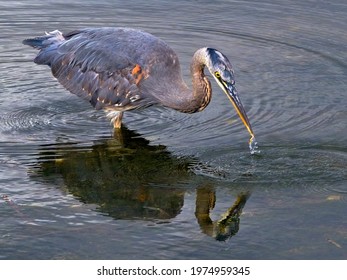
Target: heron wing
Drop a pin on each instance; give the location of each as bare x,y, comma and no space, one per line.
93,64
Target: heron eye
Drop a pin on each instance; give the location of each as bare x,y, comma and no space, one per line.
217,74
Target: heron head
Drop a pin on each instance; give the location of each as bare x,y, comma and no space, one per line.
222,71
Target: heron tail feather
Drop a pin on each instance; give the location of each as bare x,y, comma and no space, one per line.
47,45
48,39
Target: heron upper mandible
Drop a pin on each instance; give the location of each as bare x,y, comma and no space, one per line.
122,69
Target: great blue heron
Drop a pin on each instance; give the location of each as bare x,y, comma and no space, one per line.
122,69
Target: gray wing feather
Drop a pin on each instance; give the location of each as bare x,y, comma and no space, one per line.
93,64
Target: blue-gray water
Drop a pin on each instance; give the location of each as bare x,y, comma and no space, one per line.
70,189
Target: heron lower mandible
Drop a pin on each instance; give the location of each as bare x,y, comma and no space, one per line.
122,69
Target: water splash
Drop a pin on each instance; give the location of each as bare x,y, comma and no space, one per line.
253,145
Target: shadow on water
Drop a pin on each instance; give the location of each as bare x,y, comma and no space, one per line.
130,179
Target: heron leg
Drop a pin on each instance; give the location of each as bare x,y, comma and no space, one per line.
117,121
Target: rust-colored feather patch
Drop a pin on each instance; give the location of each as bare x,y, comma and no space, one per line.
137,74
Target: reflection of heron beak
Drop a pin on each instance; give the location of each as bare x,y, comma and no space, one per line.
232,94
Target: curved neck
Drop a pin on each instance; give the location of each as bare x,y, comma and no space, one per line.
202,90
173,92
184,99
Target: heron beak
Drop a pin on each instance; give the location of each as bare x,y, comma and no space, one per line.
233,96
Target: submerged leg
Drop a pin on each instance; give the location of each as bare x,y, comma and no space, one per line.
117,121
115,118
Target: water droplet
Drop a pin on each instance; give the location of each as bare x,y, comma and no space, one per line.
253,146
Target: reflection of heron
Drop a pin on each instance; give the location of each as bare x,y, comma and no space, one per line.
120,69
132,179
126,177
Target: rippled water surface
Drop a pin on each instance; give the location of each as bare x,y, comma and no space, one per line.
171,185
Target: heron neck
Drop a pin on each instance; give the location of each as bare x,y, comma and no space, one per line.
201,85
199,98
174,93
